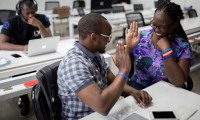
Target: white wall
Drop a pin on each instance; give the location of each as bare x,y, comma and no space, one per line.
11,4
183,3
147,4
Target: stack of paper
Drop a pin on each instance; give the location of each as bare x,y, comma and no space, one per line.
184,112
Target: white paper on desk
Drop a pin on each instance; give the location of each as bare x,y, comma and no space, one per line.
184,112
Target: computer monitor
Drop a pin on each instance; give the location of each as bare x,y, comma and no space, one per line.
160,1
120,1
101,6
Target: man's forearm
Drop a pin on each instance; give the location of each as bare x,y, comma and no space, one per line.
44,31
128,90
9,46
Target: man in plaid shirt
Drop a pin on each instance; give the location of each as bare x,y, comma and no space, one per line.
85,81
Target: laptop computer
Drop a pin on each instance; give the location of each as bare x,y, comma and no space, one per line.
135,116
42,46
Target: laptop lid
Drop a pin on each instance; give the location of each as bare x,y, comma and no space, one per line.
43,45
135,116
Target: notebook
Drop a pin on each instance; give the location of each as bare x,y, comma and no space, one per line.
185,112
42,46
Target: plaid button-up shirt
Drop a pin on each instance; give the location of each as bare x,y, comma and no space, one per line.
79,69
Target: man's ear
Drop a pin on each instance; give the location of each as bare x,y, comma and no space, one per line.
94,37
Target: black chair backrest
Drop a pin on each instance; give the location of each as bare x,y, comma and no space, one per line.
156,4
117,9
47,77
192,13
189,85
5,14
49,5
78,4
137,7
135,16
81,12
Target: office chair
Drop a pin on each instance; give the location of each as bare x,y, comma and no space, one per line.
137,7
80,12
49,5
192,13
5,14
130,17
117,9
63,12
156,4
45,100
78,4
135,16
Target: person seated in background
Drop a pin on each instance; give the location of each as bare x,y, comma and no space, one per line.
18,30
164,52
85,82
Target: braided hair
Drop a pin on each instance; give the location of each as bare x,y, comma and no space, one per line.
175,13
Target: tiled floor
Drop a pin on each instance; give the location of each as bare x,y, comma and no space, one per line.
9,109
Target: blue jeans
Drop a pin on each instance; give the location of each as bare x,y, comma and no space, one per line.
136,85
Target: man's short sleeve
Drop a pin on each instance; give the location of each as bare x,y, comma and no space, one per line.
76,75
45,20
186,53
7,29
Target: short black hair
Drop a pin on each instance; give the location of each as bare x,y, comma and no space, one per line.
175,14
90,23
28,3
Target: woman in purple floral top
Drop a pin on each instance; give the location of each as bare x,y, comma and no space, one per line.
150,63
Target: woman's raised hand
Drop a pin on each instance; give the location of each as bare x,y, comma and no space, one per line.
132,36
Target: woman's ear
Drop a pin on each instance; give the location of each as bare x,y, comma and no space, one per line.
176,24
94,37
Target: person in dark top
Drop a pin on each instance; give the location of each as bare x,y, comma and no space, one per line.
18,30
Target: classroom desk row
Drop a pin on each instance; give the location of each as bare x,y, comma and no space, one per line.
24,68
113,19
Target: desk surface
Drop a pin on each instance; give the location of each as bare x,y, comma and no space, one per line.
166,97
191,25
24,60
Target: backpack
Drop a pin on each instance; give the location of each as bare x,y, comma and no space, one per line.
44,95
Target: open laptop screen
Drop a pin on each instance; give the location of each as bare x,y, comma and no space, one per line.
43,45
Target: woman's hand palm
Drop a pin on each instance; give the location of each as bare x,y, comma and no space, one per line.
132,36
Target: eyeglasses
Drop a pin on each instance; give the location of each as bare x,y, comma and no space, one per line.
161,28
109,37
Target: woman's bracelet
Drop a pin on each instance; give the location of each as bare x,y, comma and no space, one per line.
167,50
167,53
124,75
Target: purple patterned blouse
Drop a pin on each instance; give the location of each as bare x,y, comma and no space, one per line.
148,60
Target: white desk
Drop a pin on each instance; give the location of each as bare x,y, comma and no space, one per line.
74,12
1,27
166,97
127,7
113,18
26,64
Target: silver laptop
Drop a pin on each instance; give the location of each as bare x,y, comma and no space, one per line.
42,46
135,116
